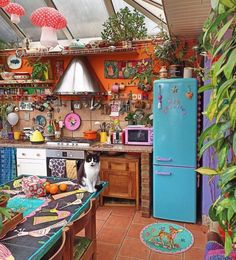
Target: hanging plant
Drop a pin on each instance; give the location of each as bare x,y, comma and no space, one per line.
124,26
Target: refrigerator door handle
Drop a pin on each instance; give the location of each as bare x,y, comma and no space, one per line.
162,173
163,159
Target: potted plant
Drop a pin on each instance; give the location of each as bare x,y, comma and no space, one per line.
173,52
219,41
125,25
144,75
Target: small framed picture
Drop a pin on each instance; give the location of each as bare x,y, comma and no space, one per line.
27,106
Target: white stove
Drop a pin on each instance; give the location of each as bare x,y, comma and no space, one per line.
78,142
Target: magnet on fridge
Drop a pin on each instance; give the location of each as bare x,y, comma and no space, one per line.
159,104
189,94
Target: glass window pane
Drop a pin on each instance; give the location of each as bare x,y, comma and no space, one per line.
152,9
85,18
31,31
7,34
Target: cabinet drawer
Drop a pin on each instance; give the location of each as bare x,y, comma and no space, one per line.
31,153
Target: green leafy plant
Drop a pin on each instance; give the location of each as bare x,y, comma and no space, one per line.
144,74
5,213
219,41
125,25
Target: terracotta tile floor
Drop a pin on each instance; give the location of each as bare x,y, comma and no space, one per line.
118,229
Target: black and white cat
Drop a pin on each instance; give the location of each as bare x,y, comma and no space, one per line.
88,174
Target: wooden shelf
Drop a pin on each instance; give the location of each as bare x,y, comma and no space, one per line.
81,52
23,82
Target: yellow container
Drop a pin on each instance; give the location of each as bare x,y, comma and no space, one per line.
103,137
17,135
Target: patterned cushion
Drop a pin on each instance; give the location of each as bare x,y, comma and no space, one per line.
80,246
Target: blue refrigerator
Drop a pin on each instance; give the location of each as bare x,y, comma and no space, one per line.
174,149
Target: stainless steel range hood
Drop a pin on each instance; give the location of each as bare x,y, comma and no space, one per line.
80,79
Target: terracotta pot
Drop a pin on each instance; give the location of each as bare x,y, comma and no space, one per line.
90,135
3,201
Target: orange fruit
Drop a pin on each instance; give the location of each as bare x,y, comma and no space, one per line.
47,183
63,187
47,188
53,189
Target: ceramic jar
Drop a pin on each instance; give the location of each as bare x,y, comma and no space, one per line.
163,72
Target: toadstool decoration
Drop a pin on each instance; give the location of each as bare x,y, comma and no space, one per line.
15,10
50,20
4,3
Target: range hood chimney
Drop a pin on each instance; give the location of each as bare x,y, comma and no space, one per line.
80,79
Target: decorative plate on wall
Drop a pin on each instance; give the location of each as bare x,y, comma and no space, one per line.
72,121
14,62
40,120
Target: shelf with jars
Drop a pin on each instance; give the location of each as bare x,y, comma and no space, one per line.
25,88
22,83
41,52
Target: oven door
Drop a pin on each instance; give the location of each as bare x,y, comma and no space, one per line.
64,163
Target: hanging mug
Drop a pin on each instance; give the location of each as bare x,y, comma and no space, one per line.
115,88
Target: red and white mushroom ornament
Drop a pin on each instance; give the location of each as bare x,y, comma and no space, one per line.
50,20
15,10
4,3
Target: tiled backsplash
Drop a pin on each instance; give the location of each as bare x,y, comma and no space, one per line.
88,119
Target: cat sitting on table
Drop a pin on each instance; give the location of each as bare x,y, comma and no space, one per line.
88,173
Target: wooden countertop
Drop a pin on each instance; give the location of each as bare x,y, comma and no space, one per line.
95,147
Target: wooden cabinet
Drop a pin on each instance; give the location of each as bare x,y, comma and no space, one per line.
122,174
31,161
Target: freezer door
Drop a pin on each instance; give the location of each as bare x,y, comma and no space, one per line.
174,193
175,122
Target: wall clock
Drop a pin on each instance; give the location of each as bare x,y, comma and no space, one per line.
14,62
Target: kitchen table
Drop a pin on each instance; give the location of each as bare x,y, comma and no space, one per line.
34,237
145,165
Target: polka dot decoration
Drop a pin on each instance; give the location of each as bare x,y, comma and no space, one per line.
14,8
4,3
48,17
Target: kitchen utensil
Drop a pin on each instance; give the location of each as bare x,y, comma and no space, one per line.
37,137
90,135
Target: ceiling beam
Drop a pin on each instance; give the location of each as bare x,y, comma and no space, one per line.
109,6
13,26
151,2
147,13
65,30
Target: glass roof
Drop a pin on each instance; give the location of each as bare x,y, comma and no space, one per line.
84,17
6,32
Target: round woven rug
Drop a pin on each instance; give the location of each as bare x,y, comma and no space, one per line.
167,238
